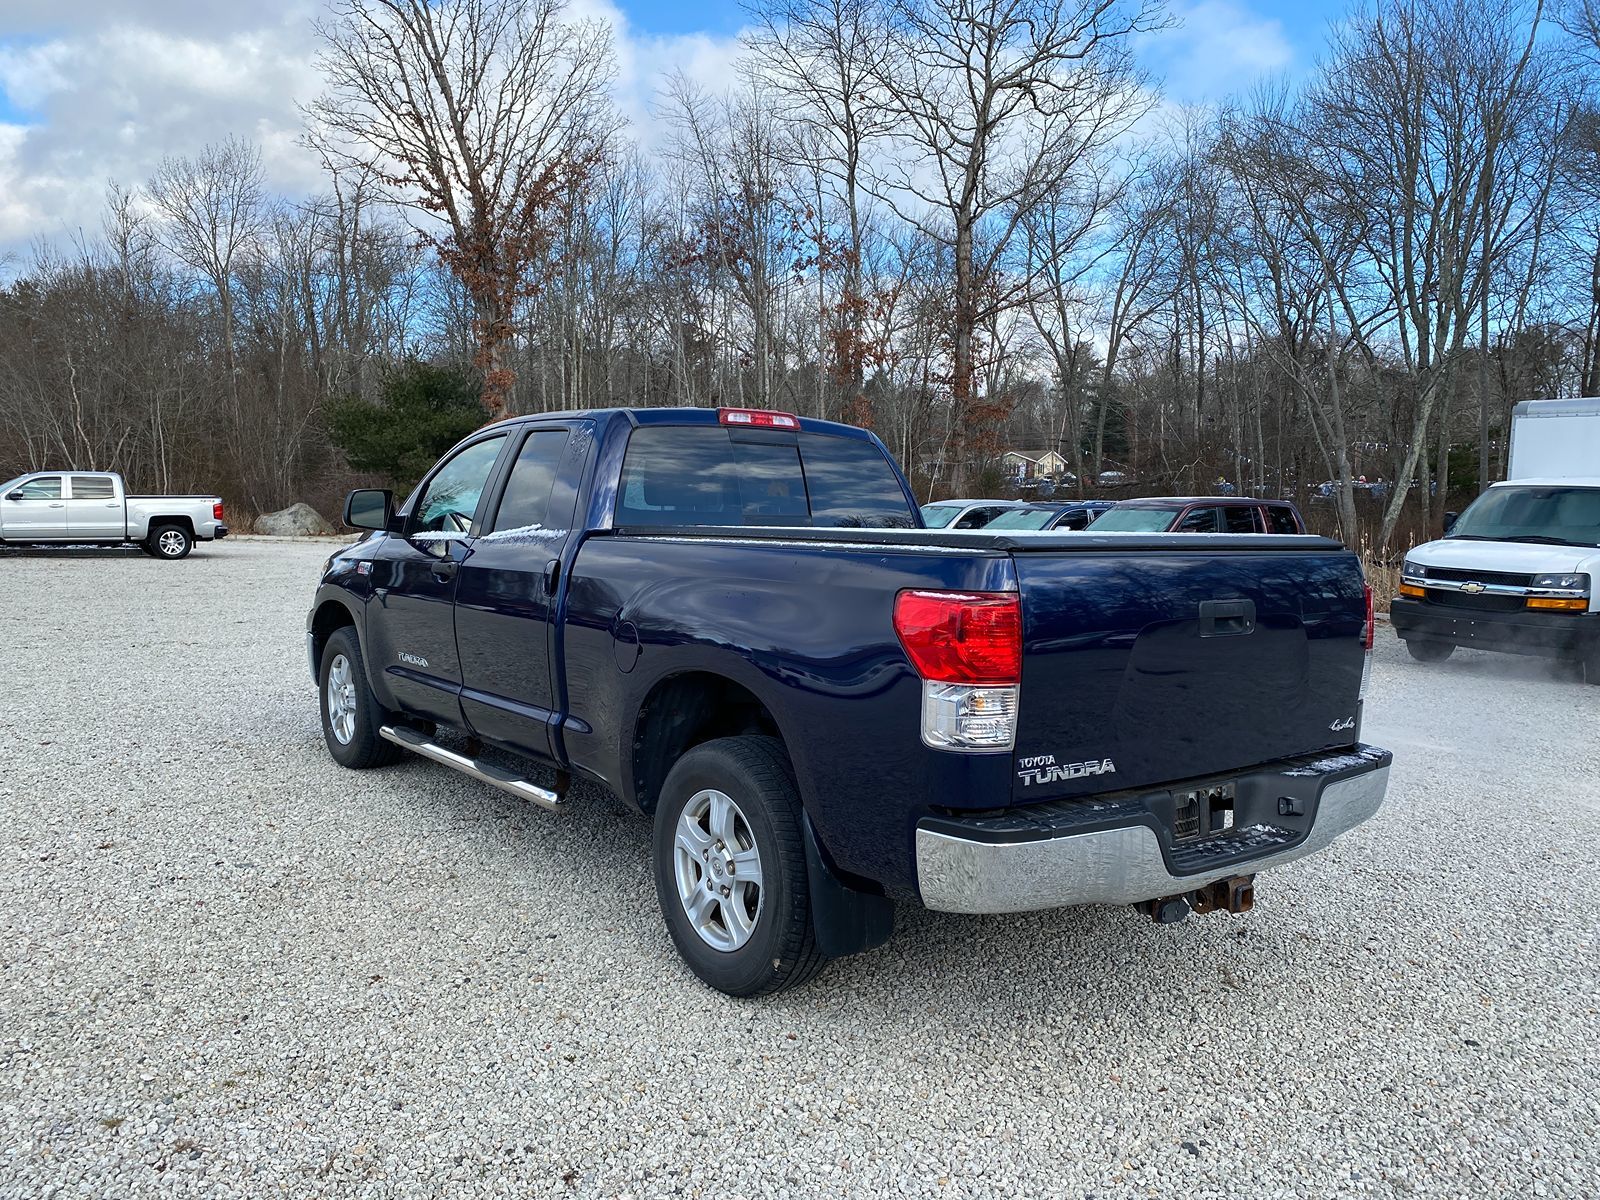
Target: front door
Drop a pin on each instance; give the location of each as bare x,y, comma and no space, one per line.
35,510
411,635
94,510
507,590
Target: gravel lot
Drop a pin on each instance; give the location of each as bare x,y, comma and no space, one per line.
228,967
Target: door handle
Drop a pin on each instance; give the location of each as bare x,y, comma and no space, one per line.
443,572
1222,618
552,576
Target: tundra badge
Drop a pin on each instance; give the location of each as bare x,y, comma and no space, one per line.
1043,768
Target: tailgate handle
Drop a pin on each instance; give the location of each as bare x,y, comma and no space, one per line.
1223,618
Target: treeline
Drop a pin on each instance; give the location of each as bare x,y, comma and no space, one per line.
965,223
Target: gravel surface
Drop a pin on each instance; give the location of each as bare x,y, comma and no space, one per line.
228,967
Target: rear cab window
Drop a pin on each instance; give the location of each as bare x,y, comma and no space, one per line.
1280,519
92,487
710,475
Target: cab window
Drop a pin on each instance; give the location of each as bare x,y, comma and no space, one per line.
1280,519
1240,518
526,503
41,489
1197,520
447,502
91,487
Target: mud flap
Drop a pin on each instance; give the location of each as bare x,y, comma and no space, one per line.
847,920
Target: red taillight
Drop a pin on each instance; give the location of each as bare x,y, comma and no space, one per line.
760,418
216,511
1370,636
962,637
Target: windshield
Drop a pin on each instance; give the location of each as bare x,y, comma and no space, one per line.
1023,518
1559,515
937,516
1133,520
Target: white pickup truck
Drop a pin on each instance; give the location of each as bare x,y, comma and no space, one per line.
93,508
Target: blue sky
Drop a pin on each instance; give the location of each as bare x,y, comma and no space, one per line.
92,90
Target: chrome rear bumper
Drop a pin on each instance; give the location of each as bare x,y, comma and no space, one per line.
1121,865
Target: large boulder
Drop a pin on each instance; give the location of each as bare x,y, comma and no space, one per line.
298,520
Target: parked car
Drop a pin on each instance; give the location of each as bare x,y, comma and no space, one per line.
692,609
1200,514
92,508
1514,573
1050,516
963,514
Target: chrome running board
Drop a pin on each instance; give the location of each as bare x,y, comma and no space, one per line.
515,785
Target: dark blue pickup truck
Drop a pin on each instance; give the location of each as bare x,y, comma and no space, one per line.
734,620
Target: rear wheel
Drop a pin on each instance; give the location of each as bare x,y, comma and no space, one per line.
169,541
351,715
1429,652
730,867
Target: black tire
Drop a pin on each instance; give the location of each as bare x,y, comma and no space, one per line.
1591,667
170,542
781,950
364,748
1429,652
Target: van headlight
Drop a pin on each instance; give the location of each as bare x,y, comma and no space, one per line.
1569,582
1414,570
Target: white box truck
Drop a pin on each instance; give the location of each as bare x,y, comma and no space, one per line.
1516,572
1555,439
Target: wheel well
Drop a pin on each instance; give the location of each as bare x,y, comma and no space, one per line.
330,618
683,711
183,523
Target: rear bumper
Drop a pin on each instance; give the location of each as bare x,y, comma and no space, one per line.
1550,635
1119,850
220,532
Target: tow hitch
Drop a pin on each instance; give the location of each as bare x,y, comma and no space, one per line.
1235,895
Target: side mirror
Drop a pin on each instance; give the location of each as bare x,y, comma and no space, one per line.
1450,520
369,508
16,495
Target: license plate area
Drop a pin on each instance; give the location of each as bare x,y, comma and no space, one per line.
1198,812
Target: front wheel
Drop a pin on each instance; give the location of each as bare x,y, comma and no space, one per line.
730,867
351,715
169,541
1429,652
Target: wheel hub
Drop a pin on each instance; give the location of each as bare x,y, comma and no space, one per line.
718,870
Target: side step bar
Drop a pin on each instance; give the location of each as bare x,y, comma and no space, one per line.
516,785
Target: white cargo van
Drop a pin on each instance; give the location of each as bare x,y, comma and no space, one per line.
1516,571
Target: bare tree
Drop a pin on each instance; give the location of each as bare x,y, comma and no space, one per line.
481,113
996,104
213,208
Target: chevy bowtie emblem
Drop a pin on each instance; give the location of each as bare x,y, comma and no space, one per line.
1474,587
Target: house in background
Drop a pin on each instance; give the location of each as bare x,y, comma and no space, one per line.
1024,465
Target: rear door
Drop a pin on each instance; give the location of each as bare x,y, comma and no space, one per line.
411,634
35,510
94,510
507,589
1178,662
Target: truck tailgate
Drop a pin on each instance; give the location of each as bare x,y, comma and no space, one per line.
1207,656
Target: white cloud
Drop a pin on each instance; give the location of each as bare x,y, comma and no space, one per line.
1217,48
107,89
